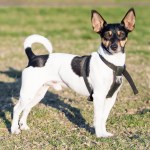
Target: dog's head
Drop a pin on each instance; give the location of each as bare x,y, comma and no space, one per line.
114,36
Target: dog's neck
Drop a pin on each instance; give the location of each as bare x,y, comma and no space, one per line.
117,59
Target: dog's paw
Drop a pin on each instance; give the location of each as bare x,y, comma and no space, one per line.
24,127
108,134
15,131
57,87
105,134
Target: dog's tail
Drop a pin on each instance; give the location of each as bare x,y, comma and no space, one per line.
35,38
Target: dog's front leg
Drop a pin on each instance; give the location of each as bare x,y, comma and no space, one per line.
108,104
100,115
99,101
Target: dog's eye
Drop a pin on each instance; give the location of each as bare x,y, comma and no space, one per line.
121,34
107,35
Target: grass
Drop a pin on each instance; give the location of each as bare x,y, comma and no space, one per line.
64,120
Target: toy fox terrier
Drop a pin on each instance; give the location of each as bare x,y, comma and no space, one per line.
99,74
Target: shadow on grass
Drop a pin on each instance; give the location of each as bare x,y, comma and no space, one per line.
143,111
72,113
11,89
7,91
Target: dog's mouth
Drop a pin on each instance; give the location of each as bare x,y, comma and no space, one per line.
115,48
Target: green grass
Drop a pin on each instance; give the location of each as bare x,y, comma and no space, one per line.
63,120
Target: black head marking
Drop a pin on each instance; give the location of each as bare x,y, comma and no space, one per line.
113,31
114,36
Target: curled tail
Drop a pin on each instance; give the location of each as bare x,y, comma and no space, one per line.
35,38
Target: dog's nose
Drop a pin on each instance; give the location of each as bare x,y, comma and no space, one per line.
114,46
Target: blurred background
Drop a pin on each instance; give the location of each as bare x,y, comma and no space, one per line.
61,3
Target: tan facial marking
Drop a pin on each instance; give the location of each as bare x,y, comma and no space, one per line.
105,42
123,42
118,32
110,32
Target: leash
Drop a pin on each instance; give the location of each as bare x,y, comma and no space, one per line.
118,72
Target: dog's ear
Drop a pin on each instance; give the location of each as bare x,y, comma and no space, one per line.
129,20
97,20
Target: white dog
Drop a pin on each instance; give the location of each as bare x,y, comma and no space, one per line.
66,70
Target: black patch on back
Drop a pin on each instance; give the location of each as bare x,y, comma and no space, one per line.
38,61
35,60
76,65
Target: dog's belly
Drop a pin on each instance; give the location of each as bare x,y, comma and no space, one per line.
76,84
61,73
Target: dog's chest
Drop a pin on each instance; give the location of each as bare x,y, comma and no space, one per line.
101,75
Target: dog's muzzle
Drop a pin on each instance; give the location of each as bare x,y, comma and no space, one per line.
114,46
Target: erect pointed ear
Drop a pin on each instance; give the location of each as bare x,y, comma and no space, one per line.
129,20
97,21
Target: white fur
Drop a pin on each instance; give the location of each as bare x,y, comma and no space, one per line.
117,59
58,73
35,38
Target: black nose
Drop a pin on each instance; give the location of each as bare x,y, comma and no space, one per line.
114,46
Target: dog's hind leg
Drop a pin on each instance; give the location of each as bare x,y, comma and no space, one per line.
26,96
39,95
16,113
